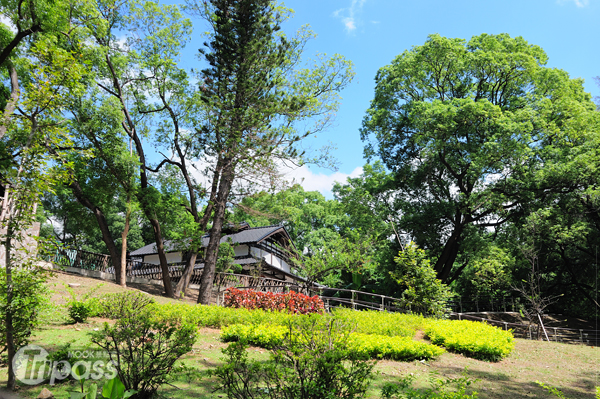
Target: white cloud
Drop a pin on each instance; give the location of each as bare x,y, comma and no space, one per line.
322,182
578,3
348,15
6,21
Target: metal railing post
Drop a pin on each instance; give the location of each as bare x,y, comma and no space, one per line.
352,301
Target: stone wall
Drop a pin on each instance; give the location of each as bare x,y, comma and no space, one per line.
25,247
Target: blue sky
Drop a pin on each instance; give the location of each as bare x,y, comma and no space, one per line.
372,32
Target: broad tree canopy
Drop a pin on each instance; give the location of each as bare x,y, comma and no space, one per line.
461,125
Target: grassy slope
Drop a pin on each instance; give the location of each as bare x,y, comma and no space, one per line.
575,369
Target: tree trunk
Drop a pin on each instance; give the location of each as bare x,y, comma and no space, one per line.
444,264
162,257
184,281
10,342
212,250
122,277
115,254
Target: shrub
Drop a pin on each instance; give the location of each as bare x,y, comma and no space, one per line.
395,348
423,292
312,361
29,298
144,349
473,339
265,336
382,323
84,306
439,388
370,346
79,311
290,301
121,304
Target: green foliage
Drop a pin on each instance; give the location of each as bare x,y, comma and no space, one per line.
312,361
225,259
449,115
263,335
370,346
440,388
83,306
395,348
423,292
473,339
30,297
381,323
122,304
112,389
79,312
145,348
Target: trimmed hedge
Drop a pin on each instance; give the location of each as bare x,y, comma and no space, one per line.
382,323
471,338
372,345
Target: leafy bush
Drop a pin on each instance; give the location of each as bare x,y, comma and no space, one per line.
84,306
473,339
264,335
144,348
121,304
395,348
423,292
79,312
370,346
29,298
290,301
217,316
312,361
439,389
382,323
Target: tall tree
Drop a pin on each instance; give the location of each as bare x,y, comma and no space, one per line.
42,73
255,93
459,124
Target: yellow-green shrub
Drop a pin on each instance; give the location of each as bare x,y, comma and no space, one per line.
395,348
473,339
382,323
372,345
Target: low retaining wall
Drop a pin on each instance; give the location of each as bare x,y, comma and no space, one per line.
109,276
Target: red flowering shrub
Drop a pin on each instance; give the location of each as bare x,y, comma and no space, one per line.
290,301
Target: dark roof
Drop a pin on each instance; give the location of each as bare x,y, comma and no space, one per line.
247,236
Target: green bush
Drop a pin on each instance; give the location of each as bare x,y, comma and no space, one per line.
473,339
439,388
79,312
29,298
312,360
120,304
145,348
81,307
382,323
372,346
395,348
423,292
263,335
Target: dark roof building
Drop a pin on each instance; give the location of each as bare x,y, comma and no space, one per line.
266,249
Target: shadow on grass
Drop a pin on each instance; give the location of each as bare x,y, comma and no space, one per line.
508,387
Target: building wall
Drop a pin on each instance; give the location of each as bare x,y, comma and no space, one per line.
271,259
241,250
172,257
